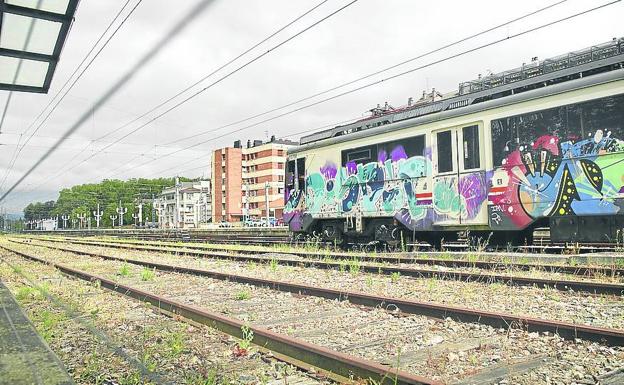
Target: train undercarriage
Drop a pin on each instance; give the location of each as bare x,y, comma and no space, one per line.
390,234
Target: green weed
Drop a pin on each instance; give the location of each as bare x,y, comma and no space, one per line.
175,343
148,275
243,295
248,336
394,277
124,271
27,294
273,265
354,266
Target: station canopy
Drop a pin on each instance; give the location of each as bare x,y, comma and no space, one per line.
32,34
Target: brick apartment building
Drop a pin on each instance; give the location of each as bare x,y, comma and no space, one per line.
242,175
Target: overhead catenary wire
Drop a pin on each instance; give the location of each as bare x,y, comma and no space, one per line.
160,44
342,85
64,91
444,47
403,73
313,129
183,91
465,52
219,80
101,150
377,72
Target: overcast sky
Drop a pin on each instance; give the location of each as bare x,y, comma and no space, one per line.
366,36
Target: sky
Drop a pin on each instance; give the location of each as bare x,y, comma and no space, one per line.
363,38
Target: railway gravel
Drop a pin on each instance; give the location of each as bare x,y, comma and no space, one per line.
503,265
445,350
597,310
173,351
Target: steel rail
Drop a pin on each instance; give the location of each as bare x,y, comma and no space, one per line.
581,270
344,365
565,330
558,284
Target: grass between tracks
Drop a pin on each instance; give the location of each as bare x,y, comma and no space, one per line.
184,354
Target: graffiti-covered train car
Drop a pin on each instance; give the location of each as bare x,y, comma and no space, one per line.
538,146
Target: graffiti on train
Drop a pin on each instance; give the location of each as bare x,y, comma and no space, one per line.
394,185
549,177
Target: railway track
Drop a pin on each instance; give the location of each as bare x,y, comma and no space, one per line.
280,236
323,262
494,319
340,366
374,329
496,260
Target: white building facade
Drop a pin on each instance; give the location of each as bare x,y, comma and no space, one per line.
187,205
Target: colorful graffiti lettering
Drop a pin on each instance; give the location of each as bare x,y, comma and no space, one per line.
549,178
395,185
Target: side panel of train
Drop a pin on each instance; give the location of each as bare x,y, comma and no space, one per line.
555,161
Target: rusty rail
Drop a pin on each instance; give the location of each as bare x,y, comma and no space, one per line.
344,365
413,257
559,284
565,330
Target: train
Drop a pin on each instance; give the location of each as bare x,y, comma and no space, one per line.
539,146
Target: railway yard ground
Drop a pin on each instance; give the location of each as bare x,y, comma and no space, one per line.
128,311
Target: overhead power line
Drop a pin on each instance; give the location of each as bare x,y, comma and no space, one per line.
181,92
19,149
430,64
219,80
380,71
353,81
177,28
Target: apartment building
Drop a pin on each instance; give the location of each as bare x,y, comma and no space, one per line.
248,179
185,205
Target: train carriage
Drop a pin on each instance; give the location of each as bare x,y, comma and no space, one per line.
538,146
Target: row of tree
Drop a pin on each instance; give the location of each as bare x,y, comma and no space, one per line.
84,199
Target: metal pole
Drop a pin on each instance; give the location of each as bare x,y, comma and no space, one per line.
113,217
98,214
140,213
177,204
121,211
246,200
266,201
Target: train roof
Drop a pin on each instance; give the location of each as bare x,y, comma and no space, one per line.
508,84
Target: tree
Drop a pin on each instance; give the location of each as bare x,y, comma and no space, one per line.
83,199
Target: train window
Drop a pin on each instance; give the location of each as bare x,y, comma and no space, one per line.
571,123
470,137
290,174
402,148
445,151
301,173
360,155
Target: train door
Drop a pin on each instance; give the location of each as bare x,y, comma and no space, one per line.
294,193
459,179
